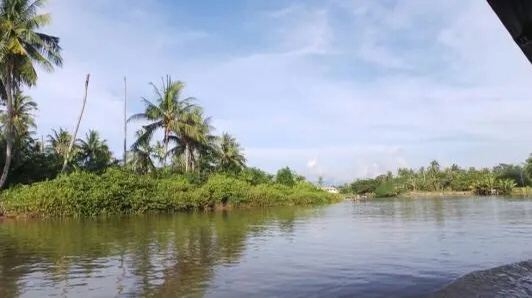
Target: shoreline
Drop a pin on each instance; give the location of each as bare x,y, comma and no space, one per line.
433,194
516,192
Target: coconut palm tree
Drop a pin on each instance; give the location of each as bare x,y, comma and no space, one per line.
158,152
94,154
22,118
165,112
21,48
231,157
59,142
192,136
140,157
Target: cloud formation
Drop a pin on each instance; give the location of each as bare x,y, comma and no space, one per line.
357,88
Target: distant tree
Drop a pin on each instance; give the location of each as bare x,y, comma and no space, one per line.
193,138
231,157
364,186
515,173
255,176
434,175
285,176
165,112
140,159
59,142
528,169
22,118
94,154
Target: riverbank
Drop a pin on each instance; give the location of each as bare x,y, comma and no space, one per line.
434,194
516,192
120,192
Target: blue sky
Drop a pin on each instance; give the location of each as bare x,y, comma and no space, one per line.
341,89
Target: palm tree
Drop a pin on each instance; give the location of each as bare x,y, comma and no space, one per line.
165,112
158,152
94,154
192,135
59,142
21,47
140,157
231,157
22,120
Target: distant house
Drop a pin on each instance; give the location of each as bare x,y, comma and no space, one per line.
330,189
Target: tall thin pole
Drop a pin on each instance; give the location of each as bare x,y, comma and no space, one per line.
75,132
125,120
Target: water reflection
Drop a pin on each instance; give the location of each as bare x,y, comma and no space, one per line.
377,248
163,255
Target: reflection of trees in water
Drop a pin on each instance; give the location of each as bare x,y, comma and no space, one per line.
161,255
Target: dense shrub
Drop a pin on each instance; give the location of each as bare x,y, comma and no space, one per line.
121,192
255,176
285,176
385,189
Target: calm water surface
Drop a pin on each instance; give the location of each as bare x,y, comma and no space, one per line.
377,248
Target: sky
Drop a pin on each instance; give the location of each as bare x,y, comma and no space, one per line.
334,88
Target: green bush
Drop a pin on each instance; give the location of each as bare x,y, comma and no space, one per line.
255,176
121,192
385,189
285,176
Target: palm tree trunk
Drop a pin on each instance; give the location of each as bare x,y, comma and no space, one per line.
65,162
191,159
186,159
165,146
9,130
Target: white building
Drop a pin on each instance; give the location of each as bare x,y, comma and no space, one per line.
330,189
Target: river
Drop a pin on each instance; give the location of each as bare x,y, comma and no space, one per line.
377,248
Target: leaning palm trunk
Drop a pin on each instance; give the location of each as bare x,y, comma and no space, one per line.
67,157
9,129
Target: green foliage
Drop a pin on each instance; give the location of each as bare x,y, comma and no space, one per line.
30,164
255,176
285,176
515,173
505,186
385,189
528,169
433,178
122,192
231,158
364,186
23,46
484,185
94,154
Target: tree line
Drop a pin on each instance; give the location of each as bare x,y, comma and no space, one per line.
175,135
500,179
